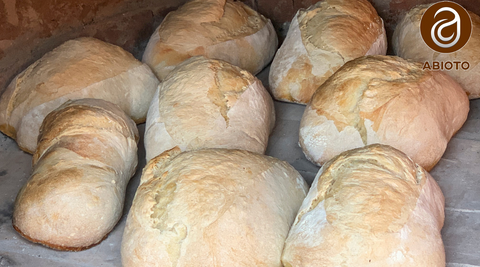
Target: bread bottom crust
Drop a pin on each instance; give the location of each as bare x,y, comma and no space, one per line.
57,247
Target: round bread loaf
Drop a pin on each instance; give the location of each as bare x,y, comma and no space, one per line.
80,68
371,206
319,41
86,155
408,43
387,100
213,207
207,103
219,29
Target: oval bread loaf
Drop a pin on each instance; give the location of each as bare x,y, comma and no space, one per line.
387,100
218,29
86,155
371,206
319,41
212,207
207,103
79,68
408,43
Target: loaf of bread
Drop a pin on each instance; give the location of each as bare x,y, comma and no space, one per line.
80,68
319,41
371,206
408,43
212,207
207,103
86,155
387,100
219,29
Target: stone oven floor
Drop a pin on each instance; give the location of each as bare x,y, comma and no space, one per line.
457,173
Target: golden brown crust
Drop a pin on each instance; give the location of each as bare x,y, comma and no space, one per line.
341,98
57,247
215,21
191,209
207,103
319,41
343,26
388,100
341,182
216,29
369,206
79,68
75,194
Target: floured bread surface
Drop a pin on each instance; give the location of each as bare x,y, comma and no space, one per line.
371,206
388,100
218,29
79,68
86,155
213,207
408,43
319,41
206,103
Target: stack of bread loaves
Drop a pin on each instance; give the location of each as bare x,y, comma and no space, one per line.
409,44
319,41
220,29
207,103
384,99
371,206
80,68
86,154
87,148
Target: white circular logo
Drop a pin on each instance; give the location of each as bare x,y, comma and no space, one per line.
441,24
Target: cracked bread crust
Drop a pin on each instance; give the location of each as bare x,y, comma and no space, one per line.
206,103
369,206
79,68
87,153
388,100
212,207
319,41
219,29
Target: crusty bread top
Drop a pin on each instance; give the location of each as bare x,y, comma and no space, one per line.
372,189
343,26
209,103
78,116
370,206
222,82
214,20
363,87
200,23
212,207
68,68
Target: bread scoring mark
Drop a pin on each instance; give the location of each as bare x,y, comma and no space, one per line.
357,91
237,16
363,189
230,83
299,84
354,24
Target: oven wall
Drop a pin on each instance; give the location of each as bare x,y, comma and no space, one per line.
30,28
